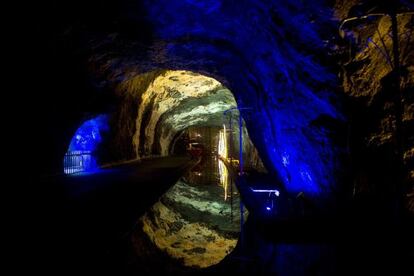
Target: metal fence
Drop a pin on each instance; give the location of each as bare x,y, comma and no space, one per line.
77,161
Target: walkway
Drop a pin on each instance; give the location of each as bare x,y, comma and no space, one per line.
84,218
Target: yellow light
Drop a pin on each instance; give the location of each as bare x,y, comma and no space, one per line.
222,151
222,146
224,179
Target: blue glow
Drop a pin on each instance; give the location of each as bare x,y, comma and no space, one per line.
80,155
88,135
271,66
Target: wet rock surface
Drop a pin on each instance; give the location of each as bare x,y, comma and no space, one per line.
192,222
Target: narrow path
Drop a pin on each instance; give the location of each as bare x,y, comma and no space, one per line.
83,217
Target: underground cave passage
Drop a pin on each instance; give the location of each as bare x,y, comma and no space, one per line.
197,221
139,167
178,114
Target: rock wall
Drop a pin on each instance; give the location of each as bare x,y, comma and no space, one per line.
279,65
277,58
153,108
174,101
369,82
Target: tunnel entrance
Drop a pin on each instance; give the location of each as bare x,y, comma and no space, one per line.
167,114
197,221
81,153
169,104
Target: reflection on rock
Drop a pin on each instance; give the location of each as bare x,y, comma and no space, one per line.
195,243
193,222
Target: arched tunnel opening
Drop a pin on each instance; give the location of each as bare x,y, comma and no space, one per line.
168,111
179,114
218,136
81,153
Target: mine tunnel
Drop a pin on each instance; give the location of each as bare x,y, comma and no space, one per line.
207,137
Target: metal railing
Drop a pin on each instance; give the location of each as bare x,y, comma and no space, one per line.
77,161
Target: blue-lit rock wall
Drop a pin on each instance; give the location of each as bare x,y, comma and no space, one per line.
274,56
81,155
89,135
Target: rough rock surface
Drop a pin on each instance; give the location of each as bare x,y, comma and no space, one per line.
273,67
368,81
156,107
174,101
276,57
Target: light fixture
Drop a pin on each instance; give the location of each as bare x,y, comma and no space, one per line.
270,199
270,191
